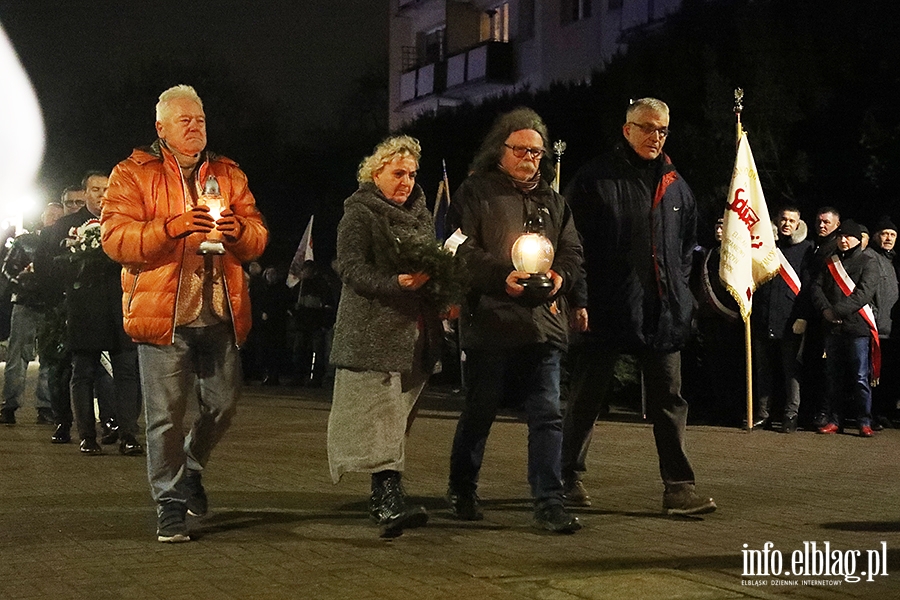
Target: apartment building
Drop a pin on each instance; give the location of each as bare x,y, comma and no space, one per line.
445,52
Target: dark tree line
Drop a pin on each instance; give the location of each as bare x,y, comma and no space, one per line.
820,82
820,108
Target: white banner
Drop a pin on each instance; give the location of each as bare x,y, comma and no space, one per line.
749,255
303,254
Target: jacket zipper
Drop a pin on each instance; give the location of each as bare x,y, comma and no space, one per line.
133,289
183,247
181,268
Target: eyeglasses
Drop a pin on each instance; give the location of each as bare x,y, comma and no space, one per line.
650,129
71,203
521,151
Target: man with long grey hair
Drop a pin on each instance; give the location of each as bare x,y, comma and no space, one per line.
513,340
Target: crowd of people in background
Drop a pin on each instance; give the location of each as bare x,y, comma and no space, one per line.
290,341
819,364
627,280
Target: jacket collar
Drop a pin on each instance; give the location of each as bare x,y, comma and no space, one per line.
857,249
661,164
158,151
369,195
795,238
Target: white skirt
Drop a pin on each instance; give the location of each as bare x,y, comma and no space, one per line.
369,420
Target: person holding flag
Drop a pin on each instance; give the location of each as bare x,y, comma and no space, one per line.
637,217
842,293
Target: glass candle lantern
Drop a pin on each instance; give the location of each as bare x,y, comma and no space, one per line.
212,199
532,252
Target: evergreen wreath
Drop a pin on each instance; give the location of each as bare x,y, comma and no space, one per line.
448,278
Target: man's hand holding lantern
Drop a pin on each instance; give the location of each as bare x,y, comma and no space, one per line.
196,220
228,225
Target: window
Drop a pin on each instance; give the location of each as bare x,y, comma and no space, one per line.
574,10
495,23
431,46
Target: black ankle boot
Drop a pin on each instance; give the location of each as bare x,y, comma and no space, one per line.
789,424
388,505
377,495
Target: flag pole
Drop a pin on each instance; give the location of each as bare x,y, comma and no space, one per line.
437,199
748,350
559,147
445,185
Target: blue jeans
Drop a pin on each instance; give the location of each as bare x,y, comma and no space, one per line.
202,364
849,391
23,326
533,372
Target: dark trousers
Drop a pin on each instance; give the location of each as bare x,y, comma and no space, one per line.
776,361
886,394
89,374
666,410
60,374
849,391
309,356
533,372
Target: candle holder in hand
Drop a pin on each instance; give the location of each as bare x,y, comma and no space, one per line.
533,253
212,199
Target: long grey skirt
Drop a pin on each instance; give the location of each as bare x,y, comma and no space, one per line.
370,414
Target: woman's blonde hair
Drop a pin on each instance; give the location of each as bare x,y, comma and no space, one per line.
385,152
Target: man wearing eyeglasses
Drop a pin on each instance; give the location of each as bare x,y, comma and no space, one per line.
513,345
637,217
72,200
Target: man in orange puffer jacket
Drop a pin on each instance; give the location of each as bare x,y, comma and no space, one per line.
188,310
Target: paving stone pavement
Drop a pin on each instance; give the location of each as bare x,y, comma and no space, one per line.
81,527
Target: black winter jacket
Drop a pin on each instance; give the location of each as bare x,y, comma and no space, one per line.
639,225
16,275
886,293
775,307
862,269
93,289
492,212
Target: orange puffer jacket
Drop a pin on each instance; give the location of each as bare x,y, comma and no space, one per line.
145,191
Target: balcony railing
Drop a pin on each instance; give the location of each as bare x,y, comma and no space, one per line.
488,62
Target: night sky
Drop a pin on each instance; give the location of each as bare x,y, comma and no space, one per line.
302,55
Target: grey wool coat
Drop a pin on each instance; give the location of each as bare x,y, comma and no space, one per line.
378,321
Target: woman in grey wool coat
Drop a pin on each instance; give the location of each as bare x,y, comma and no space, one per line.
386,341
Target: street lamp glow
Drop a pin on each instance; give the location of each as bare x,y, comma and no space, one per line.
22,132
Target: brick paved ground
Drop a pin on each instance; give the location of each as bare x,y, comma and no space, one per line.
83,527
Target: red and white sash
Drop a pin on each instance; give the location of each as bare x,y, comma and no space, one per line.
788,273
842,278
